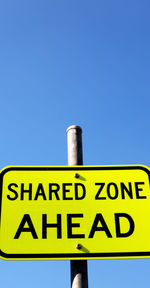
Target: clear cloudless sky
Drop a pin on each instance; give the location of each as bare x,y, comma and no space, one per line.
65,62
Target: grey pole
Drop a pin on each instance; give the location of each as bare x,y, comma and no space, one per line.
79,274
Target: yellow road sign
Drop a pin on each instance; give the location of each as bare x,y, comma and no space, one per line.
75,212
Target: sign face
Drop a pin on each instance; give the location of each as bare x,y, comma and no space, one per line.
75,212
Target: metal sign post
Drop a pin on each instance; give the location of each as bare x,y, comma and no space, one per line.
79,277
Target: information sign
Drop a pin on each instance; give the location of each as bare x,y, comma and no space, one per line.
75,212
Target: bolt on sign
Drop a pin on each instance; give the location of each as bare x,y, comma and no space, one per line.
75,212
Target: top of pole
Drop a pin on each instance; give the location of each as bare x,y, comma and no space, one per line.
74,139
76,127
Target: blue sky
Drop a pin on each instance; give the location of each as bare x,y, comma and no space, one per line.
74,62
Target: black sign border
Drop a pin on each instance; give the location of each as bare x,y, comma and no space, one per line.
64,256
